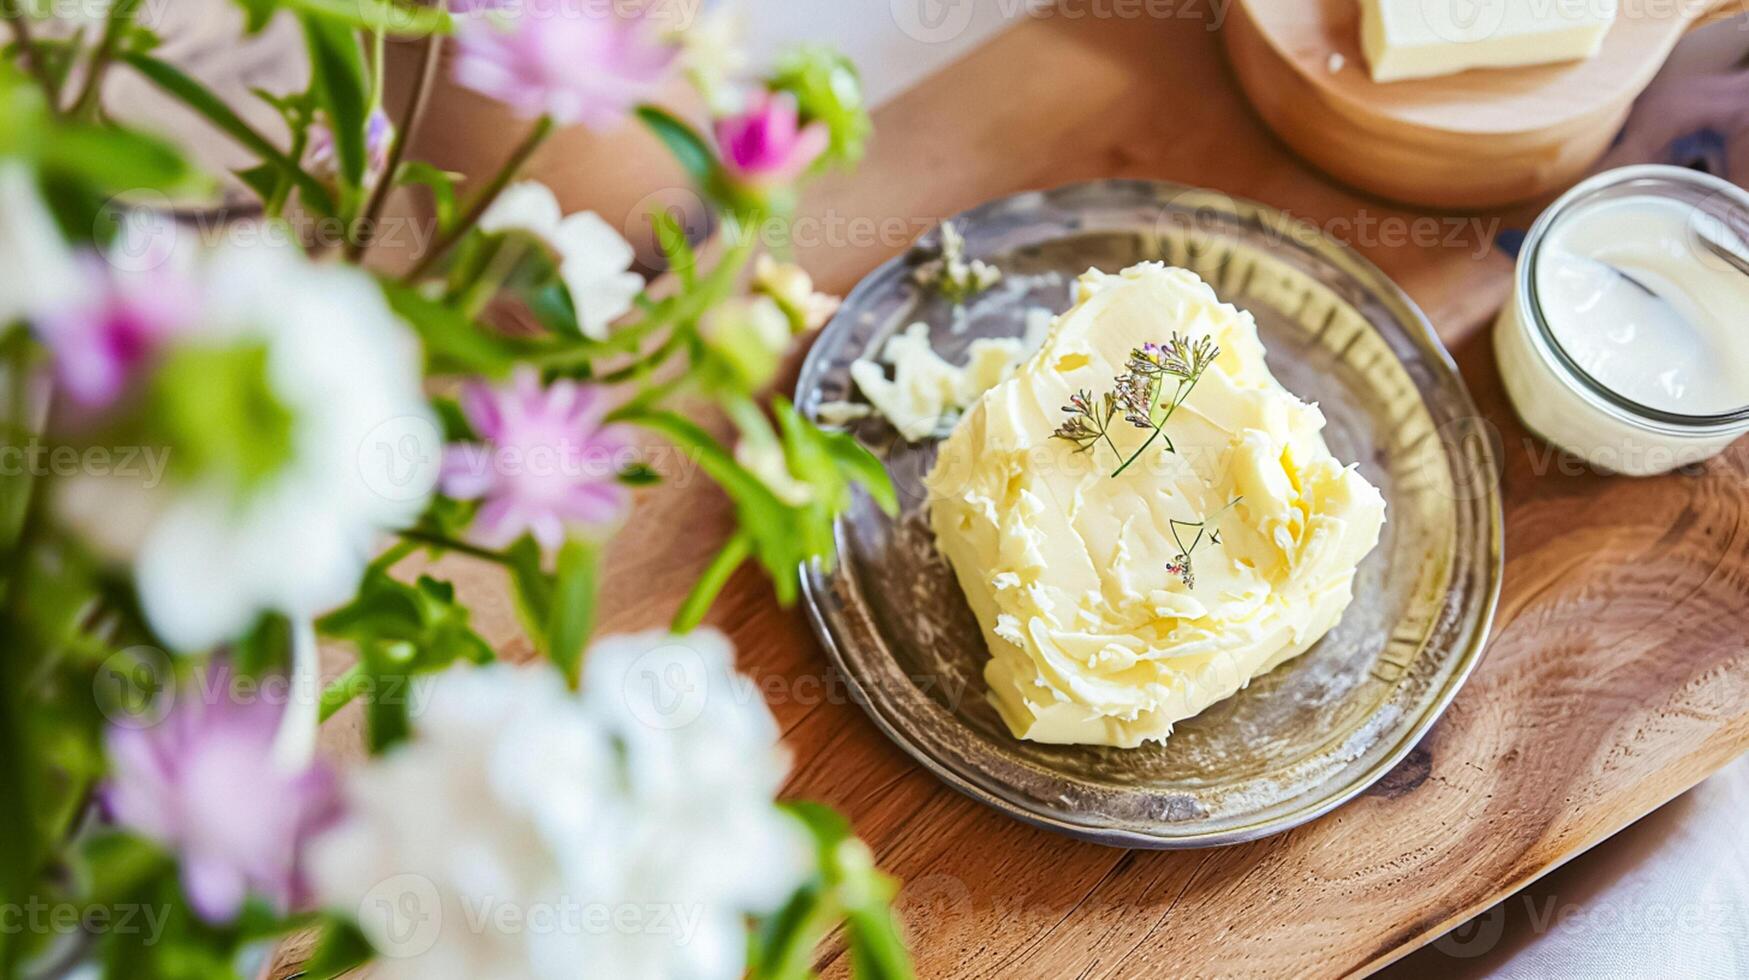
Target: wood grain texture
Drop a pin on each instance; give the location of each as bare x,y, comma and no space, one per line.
1618,676
1475,139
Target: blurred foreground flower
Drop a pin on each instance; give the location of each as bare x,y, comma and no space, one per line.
547,463
594,259
793,289
204,782
127,306
297,432
39,272
576,61
748,336
646,804
767,144
379,134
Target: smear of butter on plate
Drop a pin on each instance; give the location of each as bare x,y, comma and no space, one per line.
1092,640
925,395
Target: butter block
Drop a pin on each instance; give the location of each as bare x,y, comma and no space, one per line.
1425,38
1092,638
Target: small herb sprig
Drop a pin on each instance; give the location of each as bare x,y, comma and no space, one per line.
1181,565
1137,391
951,275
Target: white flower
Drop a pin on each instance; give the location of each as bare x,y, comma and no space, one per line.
713,54
526,831
212,554
39,271
793,289
593,257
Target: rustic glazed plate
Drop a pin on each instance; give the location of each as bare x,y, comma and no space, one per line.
1299,740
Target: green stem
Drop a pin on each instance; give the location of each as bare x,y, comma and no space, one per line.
392,555
362,237
340,693
710,583
121,16
282,188
435,540
497,268
1179,398
12,13
483,200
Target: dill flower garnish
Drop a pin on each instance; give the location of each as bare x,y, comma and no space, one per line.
1087,422
1181,565
1137,392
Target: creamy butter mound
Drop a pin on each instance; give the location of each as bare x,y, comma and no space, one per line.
1092,641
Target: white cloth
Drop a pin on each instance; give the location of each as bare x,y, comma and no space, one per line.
1667,897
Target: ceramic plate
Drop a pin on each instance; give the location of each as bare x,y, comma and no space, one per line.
1299,740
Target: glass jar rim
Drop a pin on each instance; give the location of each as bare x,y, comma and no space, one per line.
1529,302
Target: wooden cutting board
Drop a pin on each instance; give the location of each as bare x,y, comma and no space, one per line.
1618,676
1481,138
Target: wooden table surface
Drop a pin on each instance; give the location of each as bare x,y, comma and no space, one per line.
1618,675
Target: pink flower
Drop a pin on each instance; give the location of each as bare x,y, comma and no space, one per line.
547,463
378,136
111,327
573,60
204,782
766,144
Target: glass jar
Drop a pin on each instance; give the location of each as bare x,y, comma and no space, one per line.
1626,339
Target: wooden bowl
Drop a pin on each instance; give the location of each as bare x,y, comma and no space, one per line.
1478,139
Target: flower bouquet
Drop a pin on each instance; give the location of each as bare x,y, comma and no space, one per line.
228,441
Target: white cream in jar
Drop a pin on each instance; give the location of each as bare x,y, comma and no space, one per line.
1626,340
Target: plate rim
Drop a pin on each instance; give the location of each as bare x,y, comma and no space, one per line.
815,596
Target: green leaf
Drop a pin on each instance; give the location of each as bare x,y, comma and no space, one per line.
557,610
847,885
442,184
381,16
671,239
400,630
453,343
263,179
685,143
862,467
387,720
766,519
256,14
571,617
113,864
828,90
638,474
341,83
532,588
342,948
265,648
202,100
